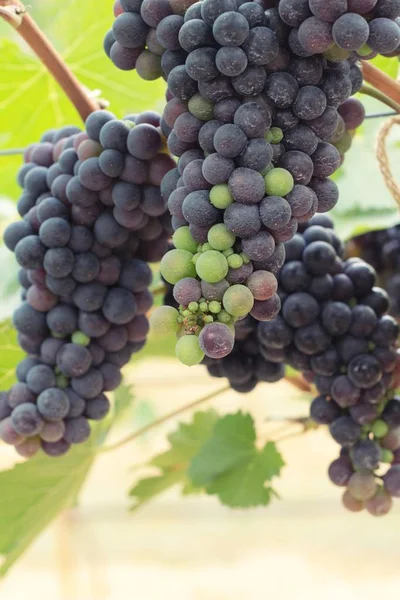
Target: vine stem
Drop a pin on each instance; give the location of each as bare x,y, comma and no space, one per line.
382,82
136,434
378,95
16,15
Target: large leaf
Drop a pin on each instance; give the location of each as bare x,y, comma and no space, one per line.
172,465
231,466
31,99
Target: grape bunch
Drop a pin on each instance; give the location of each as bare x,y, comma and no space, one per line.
382,250
333,327
133,42
362,28
252,134
92,217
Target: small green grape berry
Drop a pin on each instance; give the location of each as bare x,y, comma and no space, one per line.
193,307
235,261
228,252
336,54
58,336
177,264
201,108
208,319
62,381
387,456
274,135
220,196
80,338
245,258
278,182
199,248
206,247
202,300
238,300
224,317
371,346
212,266
220,238
380,428
203,307
164,320
186,313
57,370
188,350
364,50
215,307
183,240
366,429
196,257
180,319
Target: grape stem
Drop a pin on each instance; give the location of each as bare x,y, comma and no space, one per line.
378,95
382,82
16,15
136,434
12,152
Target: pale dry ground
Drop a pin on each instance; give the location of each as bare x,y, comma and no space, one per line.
302,547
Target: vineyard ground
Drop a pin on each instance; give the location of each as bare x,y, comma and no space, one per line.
304,546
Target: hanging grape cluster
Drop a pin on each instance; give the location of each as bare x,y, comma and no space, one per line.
92,217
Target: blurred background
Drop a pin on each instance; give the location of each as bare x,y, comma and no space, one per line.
304,545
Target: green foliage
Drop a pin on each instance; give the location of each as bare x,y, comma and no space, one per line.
218,456
33,493
11,354
231,466
24,77
390,66
173,464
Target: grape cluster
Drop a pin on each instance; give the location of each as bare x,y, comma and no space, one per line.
381,249
135,40
93,216
251,122
363,28
334,329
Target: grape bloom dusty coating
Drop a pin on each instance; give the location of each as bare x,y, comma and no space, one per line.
93,217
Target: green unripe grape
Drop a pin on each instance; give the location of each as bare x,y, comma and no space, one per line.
224,317
201,108
212,266
336,54
380,429
186,313
235,261
344,144
208,319
220,196
267,169
193,307
228,252
387,456
215,307
80,338
220,238
274,135
195,257
177,264
183,240
245,258
206,247
203,306
58,336
278,182
62,381
188,350
164,320
364,50
57,370
238,300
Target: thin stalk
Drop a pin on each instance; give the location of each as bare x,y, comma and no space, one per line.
378,95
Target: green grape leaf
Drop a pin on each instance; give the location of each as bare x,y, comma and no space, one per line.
230,465
123,398
79,39
390,66
172,465
11,354
33,494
